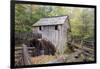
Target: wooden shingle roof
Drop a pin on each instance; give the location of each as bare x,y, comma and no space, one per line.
55,20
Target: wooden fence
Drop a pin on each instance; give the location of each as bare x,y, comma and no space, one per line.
23,55
25,52
87,51
22,37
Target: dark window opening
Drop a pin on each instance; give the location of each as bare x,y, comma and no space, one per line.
56,27
40,28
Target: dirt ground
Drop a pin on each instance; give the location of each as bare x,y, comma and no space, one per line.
43,59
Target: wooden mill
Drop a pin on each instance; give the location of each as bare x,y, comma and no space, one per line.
54,29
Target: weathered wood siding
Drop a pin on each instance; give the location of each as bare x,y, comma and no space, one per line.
50,33
57,37
35,29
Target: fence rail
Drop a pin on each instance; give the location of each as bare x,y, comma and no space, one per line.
25,58
22,37
23,55
87,51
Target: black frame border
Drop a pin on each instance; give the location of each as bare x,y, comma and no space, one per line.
12,31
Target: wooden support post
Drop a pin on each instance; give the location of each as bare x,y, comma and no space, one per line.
26,57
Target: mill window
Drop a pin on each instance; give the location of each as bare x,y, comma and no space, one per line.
56,27
40,28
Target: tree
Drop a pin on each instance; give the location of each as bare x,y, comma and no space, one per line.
81,19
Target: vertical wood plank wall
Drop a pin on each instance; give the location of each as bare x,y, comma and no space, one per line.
57,37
